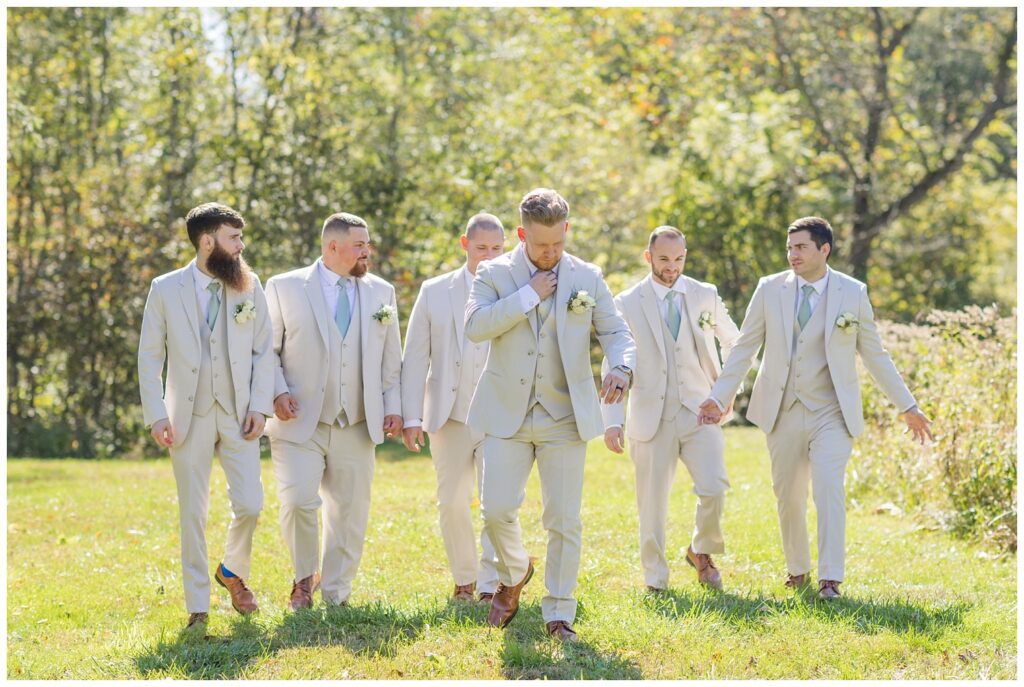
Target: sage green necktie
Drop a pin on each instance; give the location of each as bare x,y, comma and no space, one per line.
804,313
211,314
674,317
343,314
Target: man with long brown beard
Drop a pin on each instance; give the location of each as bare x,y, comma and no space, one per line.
209,321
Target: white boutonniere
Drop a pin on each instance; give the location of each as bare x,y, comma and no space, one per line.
245,312
385,313
705,321
848,322
580,302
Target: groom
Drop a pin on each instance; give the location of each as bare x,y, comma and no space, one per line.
536,398
209,322
811,321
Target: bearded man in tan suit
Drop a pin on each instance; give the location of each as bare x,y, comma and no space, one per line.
209,322
811,320
674,320
440,369
536,399
338,362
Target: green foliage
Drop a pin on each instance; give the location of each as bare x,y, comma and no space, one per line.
120,120
962,367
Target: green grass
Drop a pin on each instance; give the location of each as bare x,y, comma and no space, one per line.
94,590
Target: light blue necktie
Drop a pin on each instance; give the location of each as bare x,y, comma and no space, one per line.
211,313
343,315
805,307
674,317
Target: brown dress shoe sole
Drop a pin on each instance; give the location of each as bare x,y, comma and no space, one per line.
529,576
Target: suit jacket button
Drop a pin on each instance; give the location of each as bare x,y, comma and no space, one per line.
458,364
529,353
522,381
190,398
454,389
194,370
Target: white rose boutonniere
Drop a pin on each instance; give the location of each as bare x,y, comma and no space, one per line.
705,321
848,322
580,302
385,313
245,312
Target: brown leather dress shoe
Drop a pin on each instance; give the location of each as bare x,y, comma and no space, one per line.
797,581
707,573
197,619
828,589
561,630
485,597
302,592
464,592
242,598
505,603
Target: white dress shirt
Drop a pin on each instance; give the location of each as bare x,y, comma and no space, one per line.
203,281
819,289
677,290
329,285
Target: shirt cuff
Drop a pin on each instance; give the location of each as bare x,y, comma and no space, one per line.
528,298
718,403
413,424
615,426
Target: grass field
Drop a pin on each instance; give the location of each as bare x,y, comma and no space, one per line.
94,590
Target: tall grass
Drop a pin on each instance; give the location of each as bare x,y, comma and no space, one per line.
962,367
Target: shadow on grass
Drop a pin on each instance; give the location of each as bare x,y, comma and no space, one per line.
529,653
866,616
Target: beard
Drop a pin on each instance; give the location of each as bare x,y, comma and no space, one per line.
660,276
233,271
359,269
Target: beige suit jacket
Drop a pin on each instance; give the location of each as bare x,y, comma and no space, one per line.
431,363
639,307
299,316
170,331
769,323
494,313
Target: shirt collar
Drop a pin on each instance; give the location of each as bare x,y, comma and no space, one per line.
819,286
467,276
202,280
661,290
328,276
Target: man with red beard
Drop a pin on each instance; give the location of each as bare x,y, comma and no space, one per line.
209,322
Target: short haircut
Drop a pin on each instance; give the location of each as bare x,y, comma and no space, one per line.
664,230
342,221
543,206
483,220
820,230
208,218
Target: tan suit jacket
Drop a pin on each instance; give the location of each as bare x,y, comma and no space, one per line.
433,342
300,320
769,323
494,313
639,307
171,330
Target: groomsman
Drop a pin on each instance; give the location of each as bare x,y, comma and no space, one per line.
536,398
674,320
337,394
811,321
209,322
437,350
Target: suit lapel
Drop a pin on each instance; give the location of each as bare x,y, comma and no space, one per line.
787,303
649,305
364,292
700,341
188,298
315,294
233,299
834,291
458,296
560,309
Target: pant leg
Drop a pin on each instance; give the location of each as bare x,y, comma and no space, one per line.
560,461
345,490
298,470
703,453
655,463
240,460
487,572
451,450
192,462
788,447
830,447
507,464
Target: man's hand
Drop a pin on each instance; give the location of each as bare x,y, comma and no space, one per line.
392,425
413,438
252,428
286,407
613,388
710,413
613,439
162,433
544,283
918,423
